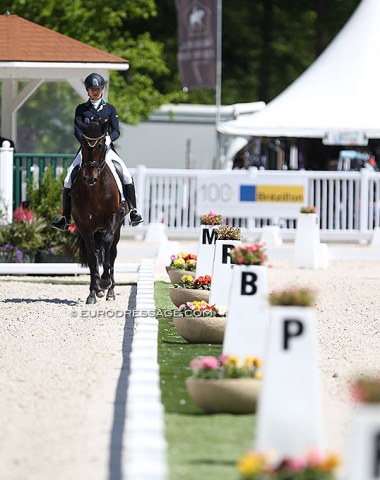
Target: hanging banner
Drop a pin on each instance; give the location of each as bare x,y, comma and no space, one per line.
196,55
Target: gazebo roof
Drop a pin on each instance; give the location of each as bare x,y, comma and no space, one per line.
34,54
25,41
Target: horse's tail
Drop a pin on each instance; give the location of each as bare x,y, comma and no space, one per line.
82,252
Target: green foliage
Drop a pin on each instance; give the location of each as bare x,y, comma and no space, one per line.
45,200
45,122
265,46
26,236
45,197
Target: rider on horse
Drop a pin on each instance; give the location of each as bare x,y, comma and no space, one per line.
96,109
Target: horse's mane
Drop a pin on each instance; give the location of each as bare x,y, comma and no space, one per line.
92,130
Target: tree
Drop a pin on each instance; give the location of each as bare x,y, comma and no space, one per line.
266,45
105,26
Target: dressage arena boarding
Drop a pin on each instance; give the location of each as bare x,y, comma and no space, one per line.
80,394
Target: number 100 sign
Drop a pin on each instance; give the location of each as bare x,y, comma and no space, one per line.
243,195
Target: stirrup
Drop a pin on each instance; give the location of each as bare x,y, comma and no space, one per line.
60,223
133,222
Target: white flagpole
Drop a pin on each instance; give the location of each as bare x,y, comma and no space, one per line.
218,80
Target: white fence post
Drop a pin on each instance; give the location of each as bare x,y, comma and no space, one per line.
364,181
6,178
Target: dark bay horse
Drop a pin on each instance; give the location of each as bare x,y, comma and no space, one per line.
96,210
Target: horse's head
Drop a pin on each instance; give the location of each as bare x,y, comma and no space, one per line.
93,152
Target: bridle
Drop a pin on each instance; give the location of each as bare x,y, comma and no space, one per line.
92,143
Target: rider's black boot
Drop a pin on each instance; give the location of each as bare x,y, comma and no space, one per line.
130,197
62,222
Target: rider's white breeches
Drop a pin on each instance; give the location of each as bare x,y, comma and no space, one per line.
110,155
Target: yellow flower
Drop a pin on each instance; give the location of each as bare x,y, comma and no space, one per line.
232,361
258,375
186,278
252,362
179,261
331,463
251,464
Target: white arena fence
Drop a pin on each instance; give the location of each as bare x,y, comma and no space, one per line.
348,202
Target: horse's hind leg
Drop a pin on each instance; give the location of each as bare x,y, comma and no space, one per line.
111,291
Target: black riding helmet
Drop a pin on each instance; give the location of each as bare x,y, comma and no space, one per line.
94,80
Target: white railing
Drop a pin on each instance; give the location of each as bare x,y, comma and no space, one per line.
348,202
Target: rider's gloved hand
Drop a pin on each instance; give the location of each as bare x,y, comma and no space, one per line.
108,140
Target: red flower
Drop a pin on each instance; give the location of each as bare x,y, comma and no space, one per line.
22,214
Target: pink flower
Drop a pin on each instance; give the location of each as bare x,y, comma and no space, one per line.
22,214
296,463
210,363
196,364
314,457
222,359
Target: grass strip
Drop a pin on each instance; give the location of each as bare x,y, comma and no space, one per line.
201,446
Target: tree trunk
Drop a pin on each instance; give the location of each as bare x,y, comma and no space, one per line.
322,33
266,54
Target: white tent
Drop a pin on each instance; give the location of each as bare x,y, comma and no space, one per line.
337,98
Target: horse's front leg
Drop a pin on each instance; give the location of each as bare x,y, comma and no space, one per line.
94,271
110,238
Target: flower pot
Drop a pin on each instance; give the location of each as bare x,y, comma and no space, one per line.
175,275
179,296
44,256
8,257
226,395
201,329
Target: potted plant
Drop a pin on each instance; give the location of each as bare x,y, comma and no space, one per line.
45,200
293,297
200,322
308,209
228,237
206,242
180,264
247,301
189,289
225,384
22,238
227,232
254,254
363,440
314,465
211,219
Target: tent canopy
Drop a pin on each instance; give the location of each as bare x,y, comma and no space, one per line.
337,97
33,54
